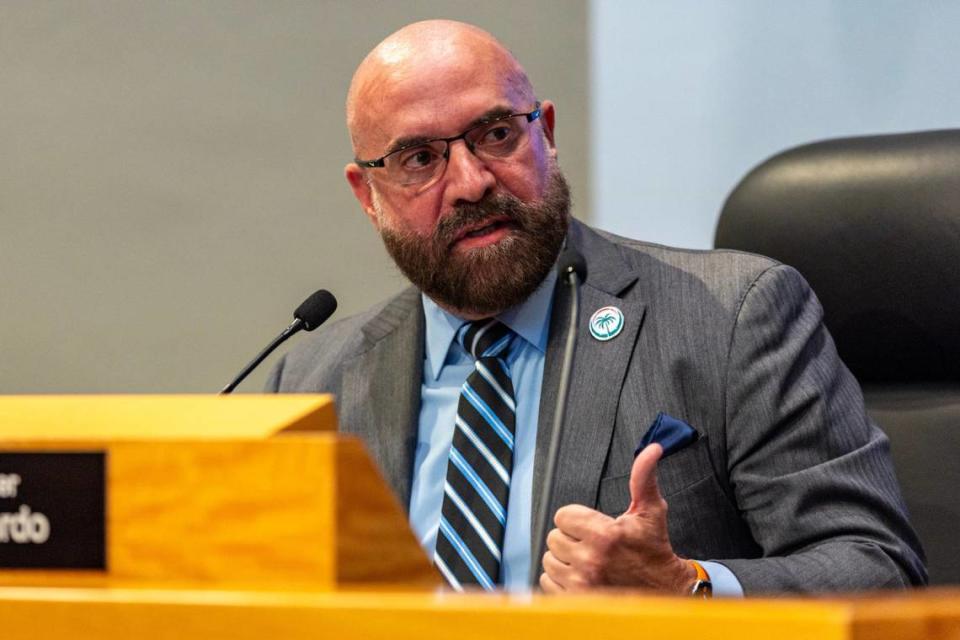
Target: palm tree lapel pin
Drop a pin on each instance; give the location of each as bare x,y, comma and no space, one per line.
606,323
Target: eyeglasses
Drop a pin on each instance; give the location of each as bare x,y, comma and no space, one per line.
424,161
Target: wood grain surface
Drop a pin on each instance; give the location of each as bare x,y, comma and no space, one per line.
178,417
106,614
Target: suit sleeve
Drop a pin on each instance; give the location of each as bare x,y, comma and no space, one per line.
273,379
811,474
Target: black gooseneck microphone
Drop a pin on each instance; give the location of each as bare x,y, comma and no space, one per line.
311,313
572,270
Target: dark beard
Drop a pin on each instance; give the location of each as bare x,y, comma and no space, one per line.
488,280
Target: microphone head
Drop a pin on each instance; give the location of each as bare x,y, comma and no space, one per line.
571,261
314,311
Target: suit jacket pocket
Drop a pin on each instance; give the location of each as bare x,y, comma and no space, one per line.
679,471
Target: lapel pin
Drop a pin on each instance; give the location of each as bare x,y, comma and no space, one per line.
606,323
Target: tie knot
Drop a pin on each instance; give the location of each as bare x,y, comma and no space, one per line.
485,338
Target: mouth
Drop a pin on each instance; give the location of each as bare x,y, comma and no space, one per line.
484,233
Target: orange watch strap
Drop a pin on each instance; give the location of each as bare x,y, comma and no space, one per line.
701,572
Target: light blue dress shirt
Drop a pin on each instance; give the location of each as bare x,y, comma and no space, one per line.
446,366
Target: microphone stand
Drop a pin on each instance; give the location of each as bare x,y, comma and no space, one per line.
293,328
543,513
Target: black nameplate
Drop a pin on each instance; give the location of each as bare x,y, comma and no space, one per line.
52,510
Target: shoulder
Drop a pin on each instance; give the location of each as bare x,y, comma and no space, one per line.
677,275
315,363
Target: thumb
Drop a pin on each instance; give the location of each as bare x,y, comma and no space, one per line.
643,478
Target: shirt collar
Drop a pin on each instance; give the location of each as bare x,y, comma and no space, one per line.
530,320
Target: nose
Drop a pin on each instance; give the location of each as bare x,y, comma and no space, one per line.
468,177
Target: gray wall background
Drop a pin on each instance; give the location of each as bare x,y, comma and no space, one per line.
171,176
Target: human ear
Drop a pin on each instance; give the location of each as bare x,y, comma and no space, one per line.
362,191
548,115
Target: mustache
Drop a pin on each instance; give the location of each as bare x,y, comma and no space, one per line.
471,213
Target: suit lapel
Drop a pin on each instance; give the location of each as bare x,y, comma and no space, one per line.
599,370
380,398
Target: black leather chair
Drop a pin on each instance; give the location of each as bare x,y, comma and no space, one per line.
873,223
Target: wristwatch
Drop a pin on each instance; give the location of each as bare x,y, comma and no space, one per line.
702,588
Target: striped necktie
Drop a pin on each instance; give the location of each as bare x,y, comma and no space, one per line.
474,511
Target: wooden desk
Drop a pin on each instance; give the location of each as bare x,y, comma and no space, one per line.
105,614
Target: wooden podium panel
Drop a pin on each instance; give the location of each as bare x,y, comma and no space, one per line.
106,614
177,417
221,493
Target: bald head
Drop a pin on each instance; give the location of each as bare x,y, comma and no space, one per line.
425,57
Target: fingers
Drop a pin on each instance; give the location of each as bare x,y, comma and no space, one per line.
578,521
549,585
643,478
559,573
555,568
561,545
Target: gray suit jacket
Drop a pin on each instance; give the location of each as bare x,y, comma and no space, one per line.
789,484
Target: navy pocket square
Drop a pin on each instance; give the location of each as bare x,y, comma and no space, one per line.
670,433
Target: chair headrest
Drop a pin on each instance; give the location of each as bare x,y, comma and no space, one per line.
873,223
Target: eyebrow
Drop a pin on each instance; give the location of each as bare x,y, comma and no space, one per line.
413,141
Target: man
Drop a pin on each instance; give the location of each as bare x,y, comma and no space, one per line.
786,485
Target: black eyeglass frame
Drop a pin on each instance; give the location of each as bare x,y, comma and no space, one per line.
379,162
